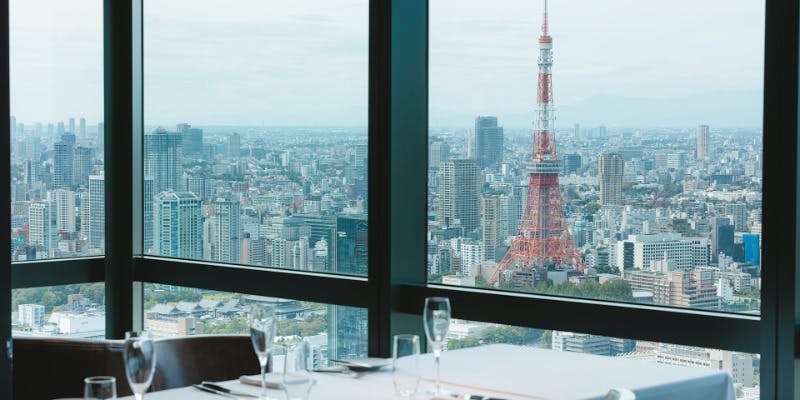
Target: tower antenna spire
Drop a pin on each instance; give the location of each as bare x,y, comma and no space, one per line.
544,21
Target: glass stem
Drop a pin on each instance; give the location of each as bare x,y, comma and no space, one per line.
138,396
263,380
438,378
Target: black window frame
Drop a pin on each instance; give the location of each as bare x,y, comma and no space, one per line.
394,289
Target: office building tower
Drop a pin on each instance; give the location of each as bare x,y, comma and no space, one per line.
51,129
162,160
440,152
177,225
610,168
72,126
13,125
32,172
702,142
65,210
234,146
96,233
30,314
61,130
459,194
752,248
572,163
147,211
576,130
649,251
83,165
347,332
488,142
225,230
360,155
191,140
721,237
581,343
737,212
42,223
64,162
491,236
82,128
676,160
351,245
101,133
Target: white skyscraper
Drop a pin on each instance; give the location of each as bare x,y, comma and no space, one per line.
65,210
702,142
30,314
610,168
177,225
225,230
42,220
96,232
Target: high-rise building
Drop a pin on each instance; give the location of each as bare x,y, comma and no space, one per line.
65,210
64,162
491,235
440,152
572,163
721,237
147,211
702,142
351,244
72,126
737,212
96,234
60,131
191,140
752,248
82,128
488,142
234,145
581,343
162,160
676,160
42,222
610,168
178,225
83,164
643,251
13,125
347,332
225,230
459,194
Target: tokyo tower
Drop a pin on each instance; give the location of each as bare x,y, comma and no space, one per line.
543,238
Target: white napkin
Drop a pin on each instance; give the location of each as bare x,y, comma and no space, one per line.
273,380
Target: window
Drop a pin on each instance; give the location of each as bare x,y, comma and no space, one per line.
265,164
640,177
67,311
334,331
57,181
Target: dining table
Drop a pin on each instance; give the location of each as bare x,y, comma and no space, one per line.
510,372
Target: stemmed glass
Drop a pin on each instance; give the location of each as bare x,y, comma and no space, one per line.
297,366
140,362
100,388
262,334
437,323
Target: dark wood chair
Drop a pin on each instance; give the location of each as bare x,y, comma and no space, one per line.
184,361
46,368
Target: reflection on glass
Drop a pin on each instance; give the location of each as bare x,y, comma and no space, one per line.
68,311
57,182
333,331
627,179
268,166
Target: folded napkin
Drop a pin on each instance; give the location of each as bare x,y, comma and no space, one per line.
273,380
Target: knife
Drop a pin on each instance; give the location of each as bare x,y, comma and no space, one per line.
212,385
210,390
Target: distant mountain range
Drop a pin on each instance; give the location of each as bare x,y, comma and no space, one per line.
720,109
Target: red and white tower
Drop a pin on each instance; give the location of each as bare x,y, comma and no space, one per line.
543,237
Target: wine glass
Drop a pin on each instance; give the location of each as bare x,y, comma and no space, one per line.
100,388
437,323
140,362
262,334
297,366
405,365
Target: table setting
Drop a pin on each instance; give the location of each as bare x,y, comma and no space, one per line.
491,372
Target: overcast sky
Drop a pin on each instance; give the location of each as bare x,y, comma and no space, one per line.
304,62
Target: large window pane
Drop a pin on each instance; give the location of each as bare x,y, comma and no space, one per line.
579,160
255,142
334,331
68,311
744,368
57,182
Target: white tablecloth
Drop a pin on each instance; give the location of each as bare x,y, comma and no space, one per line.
519,373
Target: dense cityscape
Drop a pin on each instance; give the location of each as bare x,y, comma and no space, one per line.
661,215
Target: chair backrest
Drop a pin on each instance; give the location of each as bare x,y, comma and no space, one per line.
188,360
46,368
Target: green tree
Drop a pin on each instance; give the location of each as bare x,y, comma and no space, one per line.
469,341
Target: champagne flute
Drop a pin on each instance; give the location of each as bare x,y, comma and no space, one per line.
100,388
140,362
297,379
437,323
262,334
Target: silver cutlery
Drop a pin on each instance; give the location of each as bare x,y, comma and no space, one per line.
223,389
210,390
